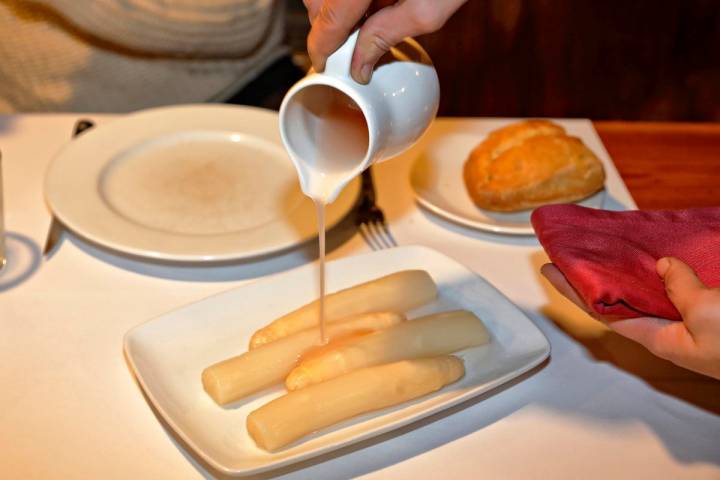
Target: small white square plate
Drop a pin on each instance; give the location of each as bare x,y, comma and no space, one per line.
169,353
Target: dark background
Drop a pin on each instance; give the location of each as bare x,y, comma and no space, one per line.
632,59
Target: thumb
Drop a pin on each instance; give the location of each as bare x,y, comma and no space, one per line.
313,8
388,27
681,283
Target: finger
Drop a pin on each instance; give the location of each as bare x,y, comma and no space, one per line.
558,280
313,8
333,23
667,339
390,25
377,5
681,283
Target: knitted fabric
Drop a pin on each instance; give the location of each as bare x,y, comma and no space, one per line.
123,55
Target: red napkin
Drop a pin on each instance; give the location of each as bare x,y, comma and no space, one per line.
609,257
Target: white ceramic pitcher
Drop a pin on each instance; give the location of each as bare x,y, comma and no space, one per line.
398,105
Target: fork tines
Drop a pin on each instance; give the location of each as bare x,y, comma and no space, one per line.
372,227
370,219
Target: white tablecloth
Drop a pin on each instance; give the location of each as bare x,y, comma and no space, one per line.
70,408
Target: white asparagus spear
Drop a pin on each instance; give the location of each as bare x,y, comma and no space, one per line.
398,292
437,334
244,374
298,413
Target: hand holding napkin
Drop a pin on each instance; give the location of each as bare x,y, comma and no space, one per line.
609,257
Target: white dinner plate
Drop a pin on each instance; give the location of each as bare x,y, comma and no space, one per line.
188,183
168,354
437,179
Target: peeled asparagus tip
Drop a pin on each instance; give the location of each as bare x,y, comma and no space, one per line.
290,417
239,376
400,291
437,334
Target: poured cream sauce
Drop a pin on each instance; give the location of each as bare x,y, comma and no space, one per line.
341,137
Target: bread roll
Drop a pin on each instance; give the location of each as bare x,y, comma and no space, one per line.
528,164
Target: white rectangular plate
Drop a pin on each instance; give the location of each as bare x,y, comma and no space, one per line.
169,353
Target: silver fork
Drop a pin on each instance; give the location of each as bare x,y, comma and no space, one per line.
370,220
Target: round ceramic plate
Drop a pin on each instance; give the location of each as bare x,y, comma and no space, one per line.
189,183
437,178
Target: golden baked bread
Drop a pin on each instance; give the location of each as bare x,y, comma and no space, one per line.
528,164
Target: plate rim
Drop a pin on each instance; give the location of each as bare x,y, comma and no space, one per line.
538,357
107,241
485,227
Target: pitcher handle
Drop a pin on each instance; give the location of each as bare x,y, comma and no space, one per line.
338,64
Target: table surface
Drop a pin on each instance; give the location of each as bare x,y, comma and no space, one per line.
666,165
601,407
